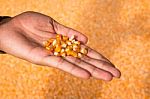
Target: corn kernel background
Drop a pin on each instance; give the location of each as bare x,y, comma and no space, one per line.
119,29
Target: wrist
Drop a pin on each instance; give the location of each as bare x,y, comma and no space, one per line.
3,19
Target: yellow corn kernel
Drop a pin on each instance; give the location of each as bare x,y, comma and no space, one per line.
72,38
68,52
84,51
63,54
51,40
68,42
76,47
58,42
62,50
67,49
48,48
59,36
46,43
63,44
58,48
56,54
74,54
54,43
65,38
70,47
77,42
80,55
72,41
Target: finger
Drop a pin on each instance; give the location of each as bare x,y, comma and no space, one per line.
102,65
61,29
96,55
95,72
64,65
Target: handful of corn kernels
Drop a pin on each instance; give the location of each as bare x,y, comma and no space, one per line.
65,46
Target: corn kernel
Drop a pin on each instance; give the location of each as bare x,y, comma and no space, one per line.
83,51
65,38
48,48
58,48
69,52
51,40
68,42
63,44
80,55
62,50
72,38
74,54
73,41
54,43
58,37
76,48
46,43
67,49
77,42
63,54
56,53
86,51
70,47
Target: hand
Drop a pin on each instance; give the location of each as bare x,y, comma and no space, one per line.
23,36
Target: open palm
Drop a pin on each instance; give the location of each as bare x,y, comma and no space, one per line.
23,36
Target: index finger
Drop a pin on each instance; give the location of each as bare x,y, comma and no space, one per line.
61,29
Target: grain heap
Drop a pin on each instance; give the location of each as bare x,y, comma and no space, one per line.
64,46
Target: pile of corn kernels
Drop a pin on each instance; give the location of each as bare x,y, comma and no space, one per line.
64,46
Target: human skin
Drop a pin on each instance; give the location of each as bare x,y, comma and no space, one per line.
23,35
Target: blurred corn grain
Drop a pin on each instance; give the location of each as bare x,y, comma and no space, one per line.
119,29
